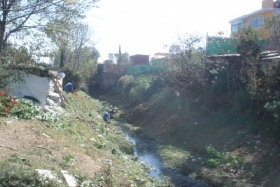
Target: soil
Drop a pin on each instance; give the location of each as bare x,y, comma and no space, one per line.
19,138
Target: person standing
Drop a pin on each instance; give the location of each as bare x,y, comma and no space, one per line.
69,87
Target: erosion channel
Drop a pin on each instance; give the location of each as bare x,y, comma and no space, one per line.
145,152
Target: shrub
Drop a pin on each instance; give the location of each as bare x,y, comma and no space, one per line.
7,104
72,75
212,162
14,176
140,85
218,158
273,107
124,83
23,109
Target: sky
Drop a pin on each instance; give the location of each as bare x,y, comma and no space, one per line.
146,26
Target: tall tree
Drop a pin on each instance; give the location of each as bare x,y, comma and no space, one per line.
120,55
22,16
187,70
61,58
249,45
119,59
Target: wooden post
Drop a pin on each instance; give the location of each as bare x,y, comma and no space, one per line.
62,97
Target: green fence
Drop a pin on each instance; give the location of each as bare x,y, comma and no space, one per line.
220,45
147,67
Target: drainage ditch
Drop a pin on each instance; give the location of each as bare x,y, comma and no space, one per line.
144,151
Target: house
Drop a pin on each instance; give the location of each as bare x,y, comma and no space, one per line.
139,59
256,19
223,45
160,55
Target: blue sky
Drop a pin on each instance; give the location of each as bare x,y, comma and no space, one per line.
145,26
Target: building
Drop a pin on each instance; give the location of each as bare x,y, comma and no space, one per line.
256,19
139,59
108,74
160,55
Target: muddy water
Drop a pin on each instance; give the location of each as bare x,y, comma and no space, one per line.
143,149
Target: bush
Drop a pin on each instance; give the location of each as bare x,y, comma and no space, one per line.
23,109
124,83
72,75
14,176
273,107
140,86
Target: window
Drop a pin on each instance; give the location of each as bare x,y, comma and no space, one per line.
256,22
237,26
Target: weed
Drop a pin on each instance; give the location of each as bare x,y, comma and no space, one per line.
163,182
210,149
15,176
69,159
212,162
219,157
108,176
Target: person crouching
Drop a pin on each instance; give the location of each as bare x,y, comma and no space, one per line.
106,117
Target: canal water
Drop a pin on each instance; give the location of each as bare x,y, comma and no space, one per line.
143,149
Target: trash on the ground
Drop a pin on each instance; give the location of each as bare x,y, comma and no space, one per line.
46,135
47,174
70,180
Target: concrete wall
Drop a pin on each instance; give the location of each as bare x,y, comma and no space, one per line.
109,74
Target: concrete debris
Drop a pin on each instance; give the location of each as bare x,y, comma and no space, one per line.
54,97
93,139
70,180
47,174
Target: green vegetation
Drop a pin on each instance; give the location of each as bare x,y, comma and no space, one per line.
134,88
95,153
229,106
218,158
16,176
22,109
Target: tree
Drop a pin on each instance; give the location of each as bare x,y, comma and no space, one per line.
79,52
249,45
120,55
26,17
186,72
80,38
88,61
61,59
108,61
119,58
272,27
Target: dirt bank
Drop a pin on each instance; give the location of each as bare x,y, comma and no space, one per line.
220,154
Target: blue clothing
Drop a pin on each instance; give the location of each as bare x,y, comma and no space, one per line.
106,117
68,87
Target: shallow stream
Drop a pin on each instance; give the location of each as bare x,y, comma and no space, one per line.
143,150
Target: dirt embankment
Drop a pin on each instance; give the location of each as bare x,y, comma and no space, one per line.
220,154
